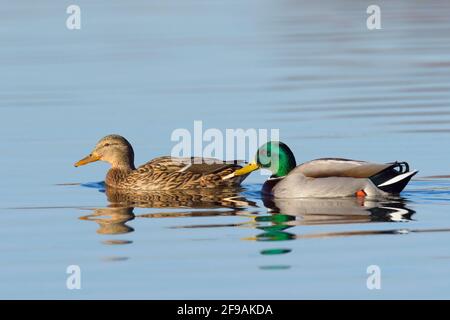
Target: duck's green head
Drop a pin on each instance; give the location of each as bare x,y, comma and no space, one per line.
274,156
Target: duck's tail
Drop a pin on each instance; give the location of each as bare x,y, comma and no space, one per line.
394,178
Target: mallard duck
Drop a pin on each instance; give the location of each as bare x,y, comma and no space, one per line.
163,173
327,177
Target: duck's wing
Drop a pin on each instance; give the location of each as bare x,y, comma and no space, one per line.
197,165
335,167
389,177
169,173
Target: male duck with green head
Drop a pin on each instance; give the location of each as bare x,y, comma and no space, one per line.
326,177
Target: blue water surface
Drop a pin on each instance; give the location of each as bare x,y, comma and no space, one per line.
142,69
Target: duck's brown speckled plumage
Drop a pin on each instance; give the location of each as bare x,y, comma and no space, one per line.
163,173
166,173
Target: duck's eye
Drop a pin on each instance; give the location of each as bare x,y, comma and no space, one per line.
106,145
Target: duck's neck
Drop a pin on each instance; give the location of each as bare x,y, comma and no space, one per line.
123,162
286,164
124,167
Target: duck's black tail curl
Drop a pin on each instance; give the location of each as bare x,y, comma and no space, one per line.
394,178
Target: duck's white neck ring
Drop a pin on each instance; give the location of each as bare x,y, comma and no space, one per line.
272,178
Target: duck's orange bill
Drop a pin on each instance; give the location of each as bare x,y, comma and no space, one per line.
90,158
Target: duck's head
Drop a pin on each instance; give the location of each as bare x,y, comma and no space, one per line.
274,156
113,149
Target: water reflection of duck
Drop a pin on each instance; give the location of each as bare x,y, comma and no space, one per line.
339,210
285,214
200,198
327,177
111,220
163,173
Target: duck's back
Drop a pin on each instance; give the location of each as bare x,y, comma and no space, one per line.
170,173
337,167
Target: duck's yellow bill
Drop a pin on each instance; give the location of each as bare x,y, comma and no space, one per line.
247,169
90,158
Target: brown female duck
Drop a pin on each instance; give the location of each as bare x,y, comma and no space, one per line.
163,173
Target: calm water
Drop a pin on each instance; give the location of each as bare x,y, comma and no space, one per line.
145,68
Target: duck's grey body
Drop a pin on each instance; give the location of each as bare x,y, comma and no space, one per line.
340,178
